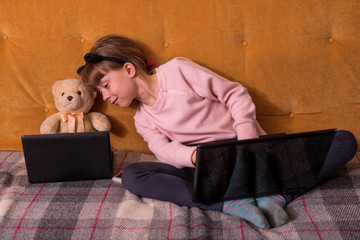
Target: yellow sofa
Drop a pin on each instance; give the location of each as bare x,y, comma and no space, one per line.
299,59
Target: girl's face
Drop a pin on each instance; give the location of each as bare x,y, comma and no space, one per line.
118,87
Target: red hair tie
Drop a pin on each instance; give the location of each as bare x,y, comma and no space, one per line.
149,63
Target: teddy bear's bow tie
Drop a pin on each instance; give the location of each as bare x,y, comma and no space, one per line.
75,121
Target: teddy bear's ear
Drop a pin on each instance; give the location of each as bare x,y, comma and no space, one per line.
94,94
54,86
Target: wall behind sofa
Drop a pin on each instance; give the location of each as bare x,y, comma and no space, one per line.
299,60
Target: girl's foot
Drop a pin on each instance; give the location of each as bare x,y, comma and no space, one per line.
247,210
273,208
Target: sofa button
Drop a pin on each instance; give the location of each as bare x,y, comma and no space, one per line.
244,43
292,115
166,44
47,110
83,40
5,37
331,40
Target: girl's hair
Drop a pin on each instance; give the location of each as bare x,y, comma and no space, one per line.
116,47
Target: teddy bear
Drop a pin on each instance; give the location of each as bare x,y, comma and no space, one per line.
74,101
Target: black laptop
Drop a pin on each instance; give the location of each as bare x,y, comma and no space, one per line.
67,156
294,161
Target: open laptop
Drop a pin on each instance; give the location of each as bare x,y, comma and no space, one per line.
67,156
294,160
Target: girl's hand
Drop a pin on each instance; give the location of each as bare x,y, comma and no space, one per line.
193,157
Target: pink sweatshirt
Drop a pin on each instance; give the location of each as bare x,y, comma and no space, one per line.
194,105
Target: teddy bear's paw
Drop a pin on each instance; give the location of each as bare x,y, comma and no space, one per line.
50,125
99,121
47,130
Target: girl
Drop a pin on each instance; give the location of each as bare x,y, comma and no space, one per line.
182,103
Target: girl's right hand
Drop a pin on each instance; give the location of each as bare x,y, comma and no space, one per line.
193,157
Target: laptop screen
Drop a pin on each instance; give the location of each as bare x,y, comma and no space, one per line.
67,156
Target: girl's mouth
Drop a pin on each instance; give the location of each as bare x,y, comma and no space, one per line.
115,101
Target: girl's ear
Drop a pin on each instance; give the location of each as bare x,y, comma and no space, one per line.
130,69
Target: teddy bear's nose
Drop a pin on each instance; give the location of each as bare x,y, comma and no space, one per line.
69,98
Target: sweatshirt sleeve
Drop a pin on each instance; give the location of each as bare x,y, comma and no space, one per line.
165,150
233,95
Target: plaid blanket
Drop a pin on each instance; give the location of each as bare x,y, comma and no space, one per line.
102,209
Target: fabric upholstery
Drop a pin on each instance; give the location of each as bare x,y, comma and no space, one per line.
300,61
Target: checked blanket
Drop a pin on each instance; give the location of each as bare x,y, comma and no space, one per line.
102,209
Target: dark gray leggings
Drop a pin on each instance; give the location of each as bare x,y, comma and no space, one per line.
166,183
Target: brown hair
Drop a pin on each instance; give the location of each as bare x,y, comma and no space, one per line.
114,46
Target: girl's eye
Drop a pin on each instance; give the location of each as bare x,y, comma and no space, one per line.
79,93
106,85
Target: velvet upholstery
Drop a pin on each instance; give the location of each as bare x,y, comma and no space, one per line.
299,59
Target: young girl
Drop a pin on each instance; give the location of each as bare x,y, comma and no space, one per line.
182,103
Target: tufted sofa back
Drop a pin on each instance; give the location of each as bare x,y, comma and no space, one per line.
299,59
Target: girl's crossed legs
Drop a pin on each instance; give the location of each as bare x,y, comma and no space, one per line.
166,183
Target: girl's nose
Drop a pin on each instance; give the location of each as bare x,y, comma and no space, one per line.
105,95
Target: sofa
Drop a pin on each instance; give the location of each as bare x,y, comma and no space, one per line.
300,61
